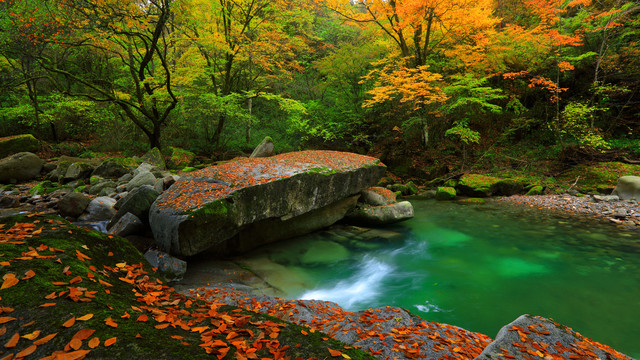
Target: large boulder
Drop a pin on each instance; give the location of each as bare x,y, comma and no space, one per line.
628,188
20,167
154,157
210,208
537,337
381,215
114,168
18,143
475,185
377,195
137,202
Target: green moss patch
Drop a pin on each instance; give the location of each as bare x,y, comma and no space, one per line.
66,282
599,177
18,143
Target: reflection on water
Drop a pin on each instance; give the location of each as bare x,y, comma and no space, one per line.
478,267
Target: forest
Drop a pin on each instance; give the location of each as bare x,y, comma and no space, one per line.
429,86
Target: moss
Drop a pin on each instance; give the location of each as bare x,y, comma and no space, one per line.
180,158
472,201
103,253
188,169
601,176
445,193
536,190
44,187
80,188
18,143
219,207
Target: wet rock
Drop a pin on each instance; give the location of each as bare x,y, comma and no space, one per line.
128,224
73,204
232,196
97,188
20,167
154,157
9,201
99,209
112,169
403,189
264,149
545,338
377,196
628,188
143,178
605,198
172,268
380,215
137,202
77,170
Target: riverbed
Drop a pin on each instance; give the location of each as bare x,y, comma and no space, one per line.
474,266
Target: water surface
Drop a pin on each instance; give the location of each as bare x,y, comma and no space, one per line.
478,267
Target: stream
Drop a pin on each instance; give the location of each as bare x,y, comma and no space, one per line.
475,266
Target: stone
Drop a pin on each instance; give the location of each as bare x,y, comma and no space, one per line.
77,170
99,209
172,268
137,202
376,195
403,189
606,198
73,204
260,193
97,188
127,224
9,201
628,188
10,145
154,157
536,190
381,215
538,334
20,167
412,188
445,193
475,185
113,168
264,149
143,178
180,158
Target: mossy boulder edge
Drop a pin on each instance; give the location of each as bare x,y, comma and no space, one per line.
209,209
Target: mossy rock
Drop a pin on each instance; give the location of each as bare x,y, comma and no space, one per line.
536,190
154,157
44,187
596,177
188,169
115,167
69,279
476,185
445,193
18,143
180,158
472,201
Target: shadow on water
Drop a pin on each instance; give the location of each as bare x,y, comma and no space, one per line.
474,266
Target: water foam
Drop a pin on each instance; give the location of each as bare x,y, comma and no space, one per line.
364,285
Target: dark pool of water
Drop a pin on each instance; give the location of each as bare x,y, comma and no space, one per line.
480,267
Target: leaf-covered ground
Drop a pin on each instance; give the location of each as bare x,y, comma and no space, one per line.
71,293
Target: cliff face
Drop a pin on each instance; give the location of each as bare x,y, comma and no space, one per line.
243,204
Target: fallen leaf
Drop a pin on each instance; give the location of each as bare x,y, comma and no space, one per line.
110,322
70,322
26,352
94,342
45,339
75,355
85,318
9,281
83,334
110,342
142,318
76,280
75,344
334,353
6,319
48,304
29,274
33,335
13,341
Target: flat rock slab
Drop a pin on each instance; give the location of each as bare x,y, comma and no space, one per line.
209,209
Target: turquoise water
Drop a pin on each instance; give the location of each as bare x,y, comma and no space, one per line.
480,267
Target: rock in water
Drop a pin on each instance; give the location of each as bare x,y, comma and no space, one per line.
628,188
211,208
381,215
543,338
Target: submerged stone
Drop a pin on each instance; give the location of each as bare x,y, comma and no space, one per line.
211,208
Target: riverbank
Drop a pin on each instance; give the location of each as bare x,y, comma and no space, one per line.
624,214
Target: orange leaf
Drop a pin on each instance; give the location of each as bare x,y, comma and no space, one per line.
26,352
222,352
51,296
13,341
6,319
32,336
75,344
161,326
48,304
70,322
94,342
334,353
85,318
76,280
104,282
45,339
110,322
75,355
4,263
126,315
29,274
83,334
10,281
142,317
110,342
